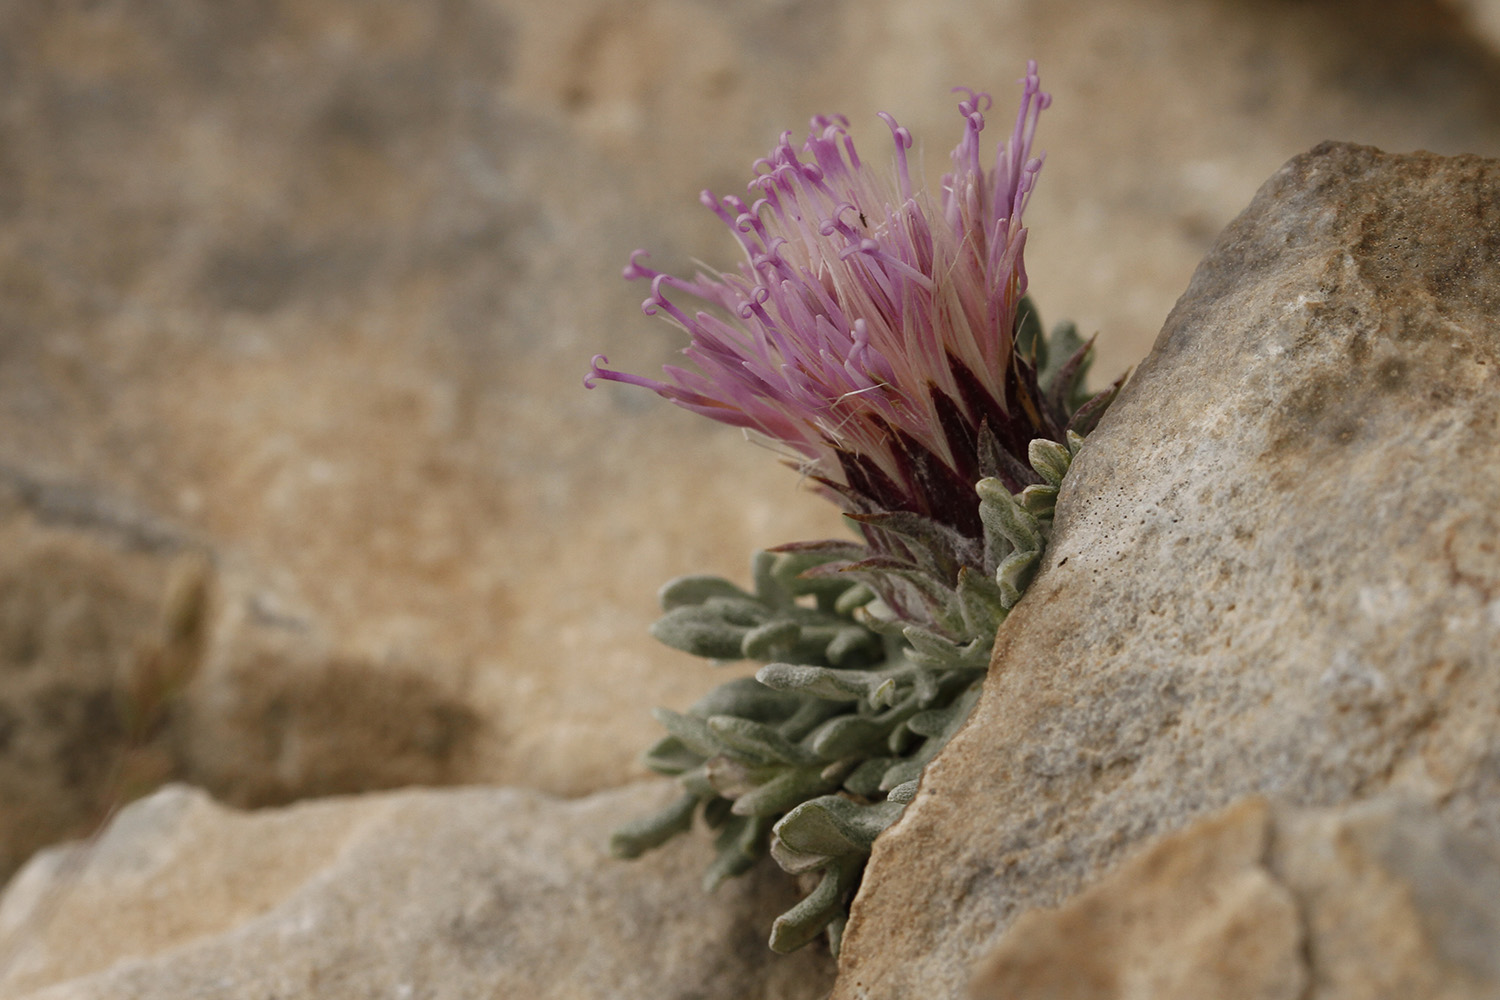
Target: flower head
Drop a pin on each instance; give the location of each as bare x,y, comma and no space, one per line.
869,329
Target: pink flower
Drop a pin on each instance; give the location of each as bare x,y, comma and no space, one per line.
869,330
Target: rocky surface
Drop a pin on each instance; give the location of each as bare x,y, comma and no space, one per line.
442,894
76,613
309,291
1275,570
1482,18
298,490
1378,899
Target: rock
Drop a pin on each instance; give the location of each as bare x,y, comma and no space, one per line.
1377,899
443,894
1482,17
1275,571
81,619
311,292
130,654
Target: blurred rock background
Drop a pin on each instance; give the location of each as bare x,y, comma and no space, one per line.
299,490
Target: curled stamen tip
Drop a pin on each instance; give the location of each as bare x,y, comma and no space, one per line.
901,134
758,296
657,299
744,222
635,269
595,372
708,199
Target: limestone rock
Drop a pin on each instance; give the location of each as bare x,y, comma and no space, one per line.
1379,899
1196,915
1275,570
444,894
81,619
311,289
1482,18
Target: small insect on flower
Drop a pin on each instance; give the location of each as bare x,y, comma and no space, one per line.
869,329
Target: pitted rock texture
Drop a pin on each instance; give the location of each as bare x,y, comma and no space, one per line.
463,893
1378,899
1275,570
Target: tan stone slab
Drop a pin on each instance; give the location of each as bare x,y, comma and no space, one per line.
442,894
312,287
1381,899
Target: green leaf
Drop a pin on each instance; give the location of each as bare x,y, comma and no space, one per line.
855,597
1039,501
803,922
853,644
935,721
899,774
1069,357
639,836
979,599
1014,575
1001,513
848,734
716,812
772,640
932,650
1049,459
1031,341
865,779
1087,417
904,792
748,698
701,630
784,791
691,731
832,825
742,842
767,587
821,682
754,738
687,591
670,756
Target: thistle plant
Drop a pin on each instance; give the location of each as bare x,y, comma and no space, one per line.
883,341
